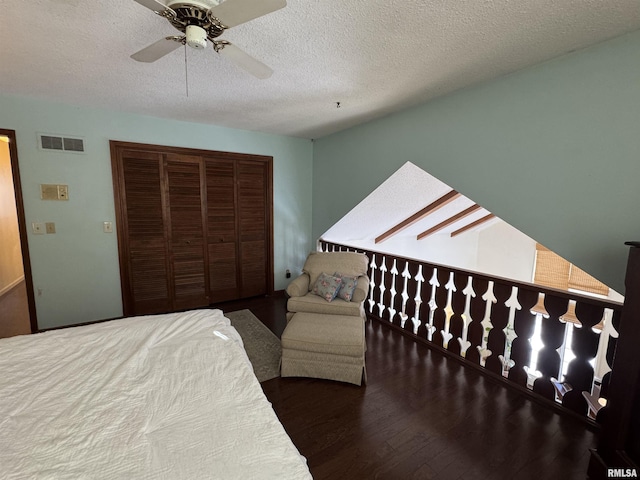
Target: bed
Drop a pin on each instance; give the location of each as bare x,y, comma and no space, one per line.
166,396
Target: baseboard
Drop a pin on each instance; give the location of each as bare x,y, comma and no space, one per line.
11,286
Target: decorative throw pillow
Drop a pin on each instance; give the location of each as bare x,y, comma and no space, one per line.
327,286
347,286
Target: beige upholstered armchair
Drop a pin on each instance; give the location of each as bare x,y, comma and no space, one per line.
349,264
325,333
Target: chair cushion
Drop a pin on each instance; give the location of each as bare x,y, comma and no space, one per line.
311,303
316,357
333,334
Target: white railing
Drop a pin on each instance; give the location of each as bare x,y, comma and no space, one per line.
557,344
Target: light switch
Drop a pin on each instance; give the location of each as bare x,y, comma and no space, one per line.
37,228
107,227
50,227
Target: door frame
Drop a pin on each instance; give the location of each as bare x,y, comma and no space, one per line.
22,226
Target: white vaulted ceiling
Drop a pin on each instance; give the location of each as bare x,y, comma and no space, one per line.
408,191
373,56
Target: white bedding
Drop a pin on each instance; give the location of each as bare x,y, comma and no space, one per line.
147,397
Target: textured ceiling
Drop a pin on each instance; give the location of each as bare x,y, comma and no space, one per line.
374,57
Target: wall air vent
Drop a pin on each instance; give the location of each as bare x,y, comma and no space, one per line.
60,143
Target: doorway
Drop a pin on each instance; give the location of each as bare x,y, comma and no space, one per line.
17,305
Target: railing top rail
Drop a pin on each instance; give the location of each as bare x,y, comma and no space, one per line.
606,303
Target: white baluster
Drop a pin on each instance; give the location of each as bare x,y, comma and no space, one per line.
490,299
372,287
381,287
417,299
432,303
451,287
601,365
392,311
466,317
509,331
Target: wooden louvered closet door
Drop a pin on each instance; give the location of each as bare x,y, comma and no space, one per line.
194,227
252,204
146,279
184,218
238,231
224,277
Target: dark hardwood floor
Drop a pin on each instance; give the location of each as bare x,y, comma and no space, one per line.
14,312
421,416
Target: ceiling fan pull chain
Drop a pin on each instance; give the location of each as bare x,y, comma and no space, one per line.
186,71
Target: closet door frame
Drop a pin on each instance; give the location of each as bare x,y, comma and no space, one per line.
117,147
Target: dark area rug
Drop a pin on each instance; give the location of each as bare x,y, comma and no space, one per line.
262,346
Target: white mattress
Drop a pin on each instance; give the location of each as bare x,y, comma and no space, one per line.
148,397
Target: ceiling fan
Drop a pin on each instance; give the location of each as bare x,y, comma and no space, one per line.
205,20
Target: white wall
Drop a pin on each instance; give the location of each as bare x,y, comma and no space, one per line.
497,250
504,251
75,272
460,252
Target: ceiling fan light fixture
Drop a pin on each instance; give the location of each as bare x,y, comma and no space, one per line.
203,21
196,37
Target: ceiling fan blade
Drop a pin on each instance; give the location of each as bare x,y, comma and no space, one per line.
157,50
154,5
234,12
243,60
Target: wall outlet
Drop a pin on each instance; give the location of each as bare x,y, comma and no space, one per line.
63,192
288,273
107,227
38,228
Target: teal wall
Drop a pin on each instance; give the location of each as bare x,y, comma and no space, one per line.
75,272
553,150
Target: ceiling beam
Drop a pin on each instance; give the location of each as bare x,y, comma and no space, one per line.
473,224
416,217
458,216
